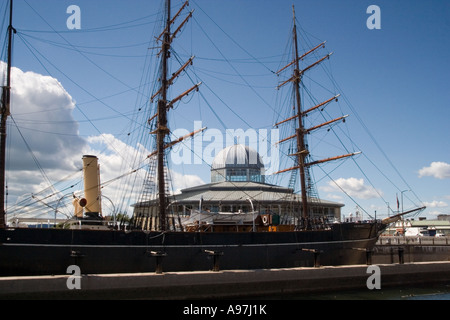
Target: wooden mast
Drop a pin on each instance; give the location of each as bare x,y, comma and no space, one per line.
302,152
301,132
5,112
162,129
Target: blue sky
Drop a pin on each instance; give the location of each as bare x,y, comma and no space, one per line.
394,78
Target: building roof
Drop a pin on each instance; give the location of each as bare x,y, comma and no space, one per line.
237,155
228,191
238,192
430,223
231,191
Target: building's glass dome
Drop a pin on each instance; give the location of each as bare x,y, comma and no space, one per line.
237,163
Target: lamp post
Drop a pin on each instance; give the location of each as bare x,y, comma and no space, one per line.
253,215
403,221
402,196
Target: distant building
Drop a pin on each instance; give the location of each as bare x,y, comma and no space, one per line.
443,217
421,227
237,185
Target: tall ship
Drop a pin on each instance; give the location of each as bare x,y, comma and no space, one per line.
238,221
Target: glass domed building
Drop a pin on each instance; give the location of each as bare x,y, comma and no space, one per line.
237,163
237,185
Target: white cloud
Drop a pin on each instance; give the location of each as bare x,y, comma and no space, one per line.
182,181
439,170
42,110
436,204
435,207
334,197
354,187
436,213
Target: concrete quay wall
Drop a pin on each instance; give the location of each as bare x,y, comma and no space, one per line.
222,284
386,254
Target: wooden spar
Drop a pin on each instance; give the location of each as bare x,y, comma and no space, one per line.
313,49
297,77
182,24
155,95
285,120
174,76
153,117
321,104
397,217
316,63
5,112
300,73
184,66
288,80
324,124
184,94
332,159
179,11
173,19
286,170
310,129
286,139
307,111
303,56
318,162
171,144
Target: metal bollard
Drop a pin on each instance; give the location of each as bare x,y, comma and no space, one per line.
159,256
316,256
401,259
369,257
216,257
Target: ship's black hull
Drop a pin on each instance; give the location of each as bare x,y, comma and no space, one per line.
52,251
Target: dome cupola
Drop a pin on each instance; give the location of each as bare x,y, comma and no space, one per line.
237,163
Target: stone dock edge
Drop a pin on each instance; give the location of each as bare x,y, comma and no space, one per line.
220,284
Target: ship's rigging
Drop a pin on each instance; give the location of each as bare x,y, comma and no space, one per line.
160,129
5,112
303,162
258,241
163,105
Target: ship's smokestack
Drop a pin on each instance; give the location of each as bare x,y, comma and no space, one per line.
92,191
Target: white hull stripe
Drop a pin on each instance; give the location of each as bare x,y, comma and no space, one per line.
184,246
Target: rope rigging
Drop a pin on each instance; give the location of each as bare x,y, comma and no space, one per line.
137,130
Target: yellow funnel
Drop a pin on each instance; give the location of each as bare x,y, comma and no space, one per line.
92,192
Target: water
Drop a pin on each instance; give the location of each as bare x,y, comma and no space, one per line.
423,292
